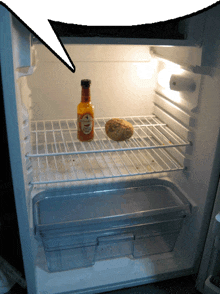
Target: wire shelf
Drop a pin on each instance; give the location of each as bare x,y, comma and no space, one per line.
58,156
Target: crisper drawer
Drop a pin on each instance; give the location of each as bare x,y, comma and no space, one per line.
76,256
79,229
73,251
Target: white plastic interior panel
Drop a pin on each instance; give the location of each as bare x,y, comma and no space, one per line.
177,113
115,71
173,123
185,56
97,53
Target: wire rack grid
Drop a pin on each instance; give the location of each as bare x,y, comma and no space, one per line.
58,156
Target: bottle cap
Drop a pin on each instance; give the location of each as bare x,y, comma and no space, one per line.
85,83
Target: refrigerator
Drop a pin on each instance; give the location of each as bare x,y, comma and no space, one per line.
105,215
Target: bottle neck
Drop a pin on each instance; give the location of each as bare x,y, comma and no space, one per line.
85,95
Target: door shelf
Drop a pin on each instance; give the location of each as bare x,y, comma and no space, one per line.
58,156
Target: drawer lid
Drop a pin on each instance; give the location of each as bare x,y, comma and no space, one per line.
65,210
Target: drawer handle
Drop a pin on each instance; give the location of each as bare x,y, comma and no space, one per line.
115,238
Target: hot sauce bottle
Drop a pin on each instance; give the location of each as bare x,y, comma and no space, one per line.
85,114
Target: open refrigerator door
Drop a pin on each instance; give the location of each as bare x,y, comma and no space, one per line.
122,194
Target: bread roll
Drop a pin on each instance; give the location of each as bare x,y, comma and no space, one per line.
119,129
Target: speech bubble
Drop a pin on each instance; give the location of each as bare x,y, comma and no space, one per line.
36,15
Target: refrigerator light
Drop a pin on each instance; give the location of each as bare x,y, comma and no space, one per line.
165,74
176,80
164,78
182,83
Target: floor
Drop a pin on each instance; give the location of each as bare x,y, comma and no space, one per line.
185,285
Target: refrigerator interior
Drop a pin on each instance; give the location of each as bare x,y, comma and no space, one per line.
171,143
124,84
124,79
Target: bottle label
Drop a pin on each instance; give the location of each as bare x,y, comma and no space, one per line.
85,123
